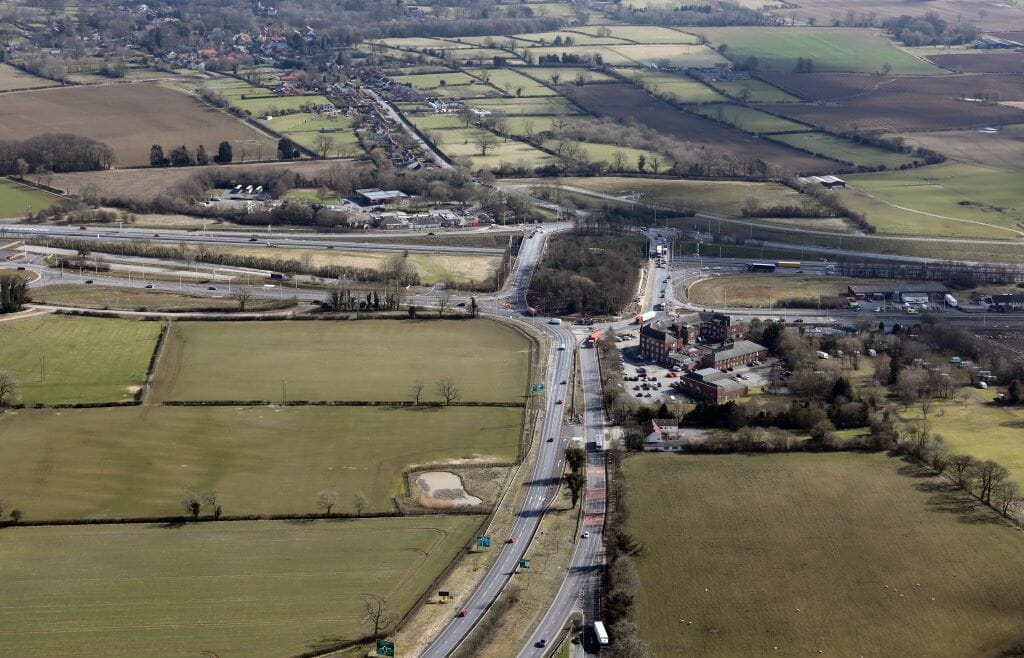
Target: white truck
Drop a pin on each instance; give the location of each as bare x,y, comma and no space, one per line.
822,355
951,300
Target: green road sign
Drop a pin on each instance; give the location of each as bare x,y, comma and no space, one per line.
385,648
524,563
537,388
483,541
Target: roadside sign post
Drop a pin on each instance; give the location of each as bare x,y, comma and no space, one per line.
524,563
537,388
385,648
483,541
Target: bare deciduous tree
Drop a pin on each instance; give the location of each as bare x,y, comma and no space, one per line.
484,140
1006,492
193,505
416,390
242,295
959,464
322,144
326,500
376,607
360,502
447,389
8,388
442,304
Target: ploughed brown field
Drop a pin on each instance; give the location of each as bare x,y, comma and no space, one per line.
986,63
624,101
128,117
900,104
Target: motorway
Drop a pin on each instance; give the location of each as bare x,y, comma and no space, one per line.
342,242
542,485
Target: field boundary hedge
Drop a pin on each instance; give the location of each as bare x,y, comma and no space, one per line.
179,519
337,403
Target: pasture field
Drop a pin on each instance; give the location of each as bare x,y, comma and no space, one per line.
206,360
249,588
148,183
973,427
133,299
800,554
16,199
14,78
578,38
128,117
845,150
609,152
951,200
854,50
436,121
720,197
642,33
303,128
1004,149
520,106
465,91
141,461
522,125
511,82
690,55
756,91
63,359
458,143
755,290
453,269
676,88
564,73
626,102
748,119
553,9
271,105
434,80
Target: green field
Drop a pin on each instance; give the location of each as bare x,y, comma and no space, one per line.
518,106
538,124
676,88
16,200
459,143
135,299
62,359
802,554
608,152
948,200
830,49
756,91
837,148
363,360
229,589
973,427
304,128
642,33
564,73
688,55
434,80
274,105
724,197
750,120
513,82
140,461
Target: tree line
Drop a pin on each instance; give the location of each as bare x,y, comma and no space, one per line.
53,152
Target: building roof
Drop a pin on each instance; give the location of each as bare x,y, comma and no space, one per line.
705,374
377,194
909,288
740,348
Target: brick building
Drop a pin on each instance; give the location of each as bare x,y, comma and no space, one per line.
734,354
660,339
711,385
719,328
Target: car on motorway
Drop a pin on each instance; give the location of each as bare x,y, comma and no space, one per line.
211,287
88,280
541,644
156,235
586,535
254,239
511,540
559,402
551,439
83,228
149,285
462,613
563,382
